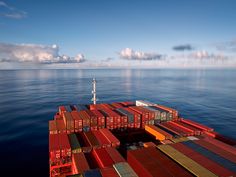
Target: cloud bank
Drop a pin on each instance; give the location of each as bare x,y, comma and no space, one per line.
35,53
229,46
131,54
11,12
184,47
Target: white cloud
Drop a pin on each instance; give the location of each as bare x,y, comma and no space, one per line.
35,53
12,12
130,54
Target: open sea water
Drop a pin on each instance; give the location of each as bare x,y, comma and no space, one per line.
29,98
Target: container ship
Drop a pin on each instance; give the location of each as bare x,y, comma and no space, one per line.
135,138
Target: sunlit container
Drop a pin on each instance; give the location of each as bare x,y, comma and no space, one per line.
80,163
130,116
86,120
93,120
185,161
212,156
100,118
103,141
78,121
157,132
68,121
149,144
178,130
102,157
137,118
113,140
52,127
197,125
124,170
108,172
74,143
214,167
61,128
62,109
221,145
150,162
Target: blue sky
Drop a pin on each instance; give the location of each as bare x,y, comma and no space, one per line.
102,29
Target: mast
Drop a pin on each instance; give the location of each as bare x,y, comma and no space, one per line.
94,99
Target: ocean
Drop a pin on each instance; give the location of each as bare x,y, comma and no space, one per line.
29,98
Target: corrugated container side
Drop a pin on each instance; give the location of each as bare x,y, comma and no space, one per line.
100,119
102,157
64,145
123,169
68,121
60,126
181,131
115,155
217,150
197,125
78,121
114,141
74,143
212,156
80,163
103,141
91,139
221,145
157,132
52,127
62,109
186,162
108,172
202,160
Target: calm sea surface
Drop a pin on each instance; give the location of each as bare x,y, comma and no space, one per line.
29,98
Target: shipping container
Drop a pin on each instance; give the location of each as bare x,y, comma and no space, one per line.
115,155
52,127
92,173
197,125
149,144
210,155
74,143
113,140
103,141
93,120
92,140
124,170
100,118
214,167
157,132
154,163
86,120
102,157
61,128
185,161
80,163
64,146
62,109
116,105
108,172
81,107
68,121
78,121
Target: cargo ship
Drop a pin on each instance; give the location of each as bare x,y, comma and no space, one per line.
135,138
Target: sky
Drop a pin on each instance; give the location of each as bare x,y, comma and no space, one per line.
114,33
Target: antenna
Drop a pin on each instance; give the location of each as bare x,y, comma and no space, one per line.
94,99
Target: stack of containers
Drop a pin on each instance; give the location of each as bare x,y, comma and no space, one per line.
103,141
86,120
78,121
100,119
112,118
123,119
134,118
178,130
157,114
61,128
150,162
81,107
62,109
68,121
127,103
150,113
79,163
52,127
117,105
93,120
74,143
130,117
144,115
91,139
111,138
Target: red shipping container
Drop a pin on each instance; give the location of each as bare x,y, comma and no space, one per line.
100,118
117,105
202,160
64,145
80,163
85,118
78,121
92,139
102,139
195,124
108,172
113,140
68,121
54,147
194,129
58,117
221,145
217,150
93,119
60,126
62,109
52,127
102,157
115,155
